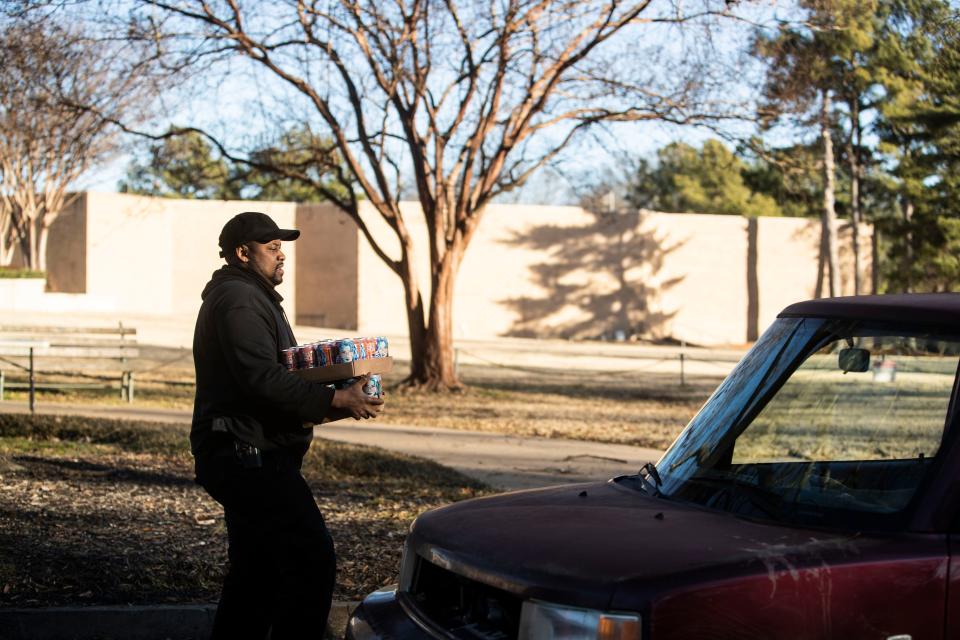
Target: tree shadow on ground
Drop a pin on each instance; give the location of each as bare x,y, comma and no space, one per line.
62,469
599,280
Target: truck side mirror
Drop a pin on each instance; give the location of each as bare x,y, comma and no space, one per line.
854,359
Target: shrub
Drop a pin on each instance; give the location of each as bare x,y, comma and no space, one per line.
17,272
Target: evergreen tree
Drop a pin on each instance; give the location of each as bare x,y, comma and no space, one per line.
182,166
921,133
186,166
711,179
811,69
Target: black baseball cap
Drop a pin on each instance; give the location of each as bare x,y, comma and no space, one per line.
252,225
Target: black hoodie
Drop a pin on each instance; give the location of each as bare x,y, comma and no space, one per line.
242,386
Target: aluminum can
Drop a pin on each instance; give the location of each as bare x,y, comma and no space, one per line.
382,347
289,358
318,353
346,351
324,350
374,387
306,357
371,345
361,348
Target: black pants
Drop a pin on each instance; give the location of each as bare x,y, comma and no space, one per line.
282,562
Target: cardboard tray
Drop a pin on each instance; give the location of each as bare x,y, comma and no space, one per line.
334,372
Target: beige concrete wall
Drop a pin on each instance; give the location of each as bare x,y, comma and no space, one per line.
541,271
196,228
547,271
129,252
701,286
496,269
153,255
380,297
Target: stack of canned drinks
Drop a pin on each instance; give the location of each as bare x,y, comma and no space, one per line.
327,352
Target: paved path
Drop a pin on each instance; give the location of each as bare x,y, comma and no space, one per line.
505,462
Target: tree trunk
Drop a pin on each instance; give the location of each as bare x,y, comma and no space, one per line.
821,263
907,209
7,240
431,333
43,234
829,198
438,354
416,320
853,157
33,256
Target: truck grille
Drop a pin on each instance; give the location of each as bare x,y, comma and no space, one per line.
463,608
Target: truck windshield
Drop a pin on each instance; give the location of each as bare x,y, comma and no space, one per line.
824,423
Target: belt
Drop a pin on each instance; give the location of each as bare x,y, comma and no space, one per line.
225,445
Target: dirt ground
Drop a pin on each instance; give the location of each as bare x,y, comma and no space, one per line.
103,512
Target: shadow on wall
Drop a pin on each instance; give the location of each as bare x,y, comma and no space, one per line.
597,278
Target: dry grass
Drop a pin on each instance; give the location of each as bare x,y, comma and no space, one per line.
647,410
818,416
643,409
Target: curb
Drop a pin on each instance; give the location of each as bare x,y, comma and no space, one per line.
156,622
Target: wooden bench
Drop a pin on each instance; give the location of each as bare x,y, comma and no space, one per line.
56,346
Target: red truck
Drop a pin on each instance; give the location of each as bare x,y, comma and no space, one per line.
815,495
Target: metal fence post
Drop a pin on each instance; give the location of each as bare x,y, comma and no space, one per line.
683,380
33,404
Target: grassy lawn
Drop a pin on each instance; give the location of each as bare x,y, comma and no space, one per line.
106,512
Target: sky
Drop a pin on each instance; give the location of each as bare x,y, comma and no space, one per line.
225,104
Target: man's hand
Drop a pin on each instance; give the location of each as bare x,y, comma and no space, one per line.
355,402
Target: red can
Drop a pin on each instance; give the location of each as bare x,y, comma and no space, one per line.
324,351
306,357
289,358
371,345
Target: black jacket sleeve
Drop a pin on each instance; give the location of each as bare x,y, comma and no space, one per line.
247,341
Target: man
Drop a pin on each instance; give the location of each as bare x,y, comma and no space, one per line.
252,425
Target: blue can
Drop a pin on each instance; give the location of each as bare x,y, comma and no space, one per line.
346,351
361,348
383,349
374,387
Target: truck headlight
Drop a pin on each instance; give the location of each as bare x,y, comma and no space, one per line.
543,621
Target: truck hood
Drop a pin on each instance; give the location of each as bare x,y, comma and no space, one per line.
578,544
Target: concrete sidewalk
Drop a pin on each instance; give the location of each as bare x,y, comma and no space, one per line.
503,461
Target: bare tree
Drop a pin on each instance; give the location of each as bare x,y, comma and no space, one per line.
49,134
463,100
